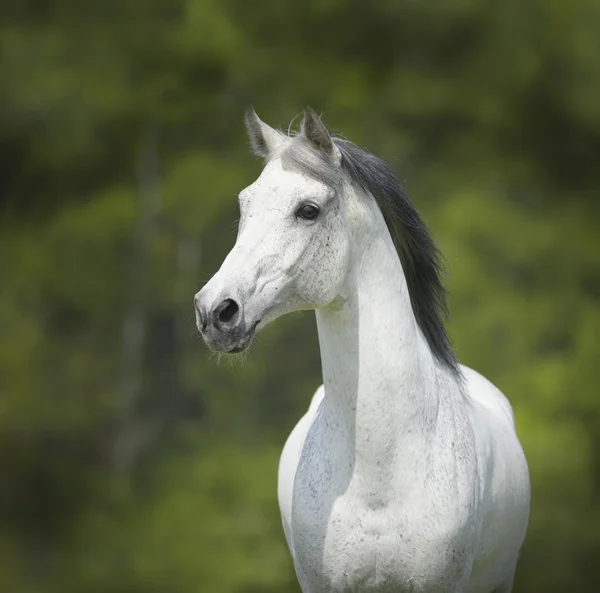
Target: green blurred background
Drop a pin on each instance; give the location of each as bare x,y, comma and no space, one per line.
130,460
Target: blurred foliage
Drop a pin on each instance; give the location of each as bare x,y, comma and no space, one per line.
129,460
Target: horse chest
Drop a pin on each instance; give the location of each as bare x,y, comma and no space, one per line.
345,542
374,551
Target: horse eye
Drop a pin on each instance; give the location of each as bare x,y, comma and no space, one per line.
307,212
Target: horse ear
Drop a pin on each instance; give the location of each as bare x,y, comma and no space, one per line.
263,138
316,134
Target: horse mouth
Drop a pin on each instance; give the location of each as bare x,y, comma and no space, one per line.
240,345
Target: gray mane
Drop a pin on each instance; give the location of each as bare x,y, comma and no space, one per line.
420,258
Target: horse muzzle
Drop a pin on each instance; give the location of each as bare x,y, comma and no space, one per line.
223,325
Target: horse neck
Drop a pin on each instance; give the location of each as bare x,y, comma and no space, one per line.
379,373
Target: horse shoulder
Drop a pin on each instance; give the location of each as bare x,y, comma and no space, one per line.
504,478
500,453
288,462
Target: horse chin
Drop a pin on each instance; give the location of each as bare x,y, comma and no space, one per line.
241,347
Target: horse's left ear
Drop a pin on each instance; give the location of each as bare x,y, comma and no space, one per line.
316,134
263,138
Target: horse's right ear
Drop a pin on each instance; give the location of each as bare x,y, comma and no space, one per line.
263,138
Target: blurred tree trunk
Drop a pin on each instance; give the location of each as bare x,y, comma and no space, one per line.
133,433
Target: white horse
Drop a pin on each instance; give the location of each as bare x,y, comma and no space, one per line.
405,474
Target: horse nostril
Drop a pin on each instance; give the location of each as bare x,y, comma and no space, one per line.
227,312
